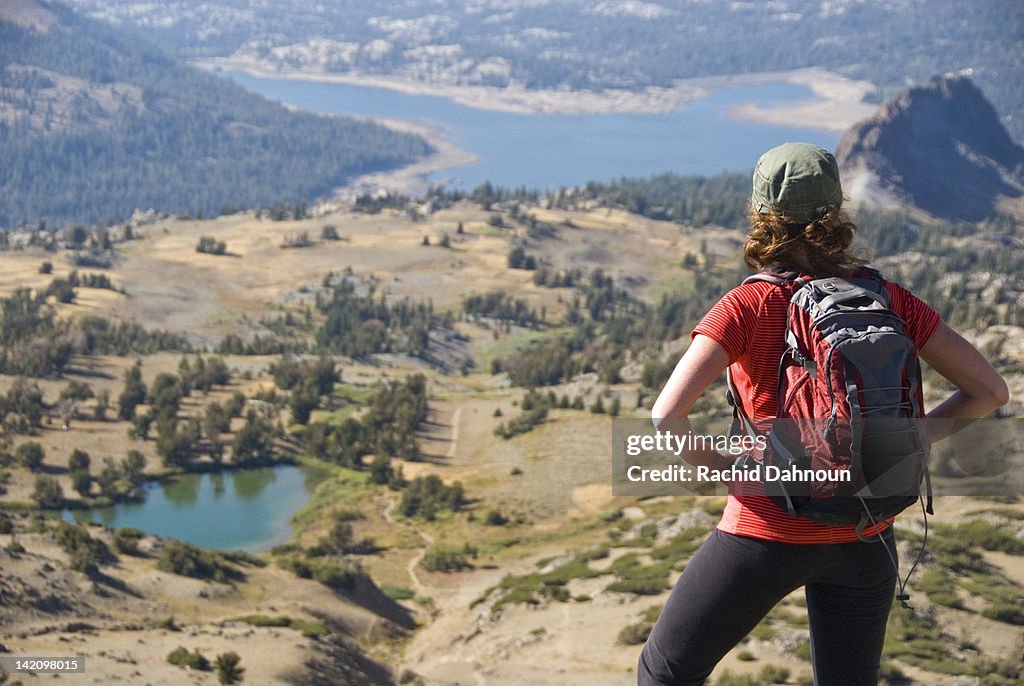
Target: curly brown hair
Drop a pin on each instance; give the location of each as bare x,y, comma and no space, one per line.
820,246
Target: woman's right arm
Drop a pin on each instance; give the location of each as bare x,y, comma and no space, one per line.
980,388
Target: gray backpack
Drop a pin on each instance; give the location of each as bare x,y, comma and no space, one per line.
849,405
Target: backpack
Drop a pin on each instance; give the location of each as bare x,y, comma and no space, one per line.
849,405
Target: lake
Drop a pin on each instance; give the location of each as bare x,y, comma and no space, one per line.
546,151
247,509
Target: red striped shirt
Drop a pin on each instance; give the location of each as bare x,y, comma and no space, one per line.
749,322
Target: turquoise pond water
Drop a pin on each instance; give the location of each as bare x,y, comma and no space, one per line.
552,150
248,509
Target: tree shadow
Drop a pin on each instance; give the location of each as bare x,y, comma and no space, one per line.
368,595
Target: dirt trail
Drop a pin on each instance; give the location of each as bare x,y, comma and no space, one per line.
427,538
418,585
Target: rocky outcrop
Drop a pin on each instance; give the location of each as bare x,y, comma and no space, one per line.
940,147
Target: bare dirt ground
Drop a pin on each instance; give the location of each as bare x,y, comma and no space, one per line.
112,623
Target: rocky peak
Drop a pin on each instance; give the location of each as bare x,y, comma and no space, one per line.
940,147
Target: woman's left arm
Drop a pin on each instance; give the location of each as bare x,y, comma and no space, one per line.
702,363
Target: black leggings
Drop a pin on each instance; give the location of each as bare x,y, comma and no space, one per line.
732,582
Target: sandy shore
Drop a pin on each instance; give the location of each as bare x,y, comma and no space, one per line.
838,105
412,179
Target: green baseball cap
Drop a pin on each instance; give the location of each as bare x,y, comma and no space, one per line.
796,180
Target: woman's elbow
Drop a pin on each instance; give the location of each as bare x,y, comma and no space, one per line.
656,416
993,395
662,412
1000,393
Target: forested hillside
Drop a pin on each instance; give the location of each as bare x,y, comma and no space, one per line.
94,122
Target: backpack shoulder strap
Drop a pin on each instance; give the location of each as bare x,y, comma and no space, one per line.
777,277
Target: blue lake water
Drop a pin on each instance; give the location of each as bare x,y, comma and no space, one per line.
552,150
247,509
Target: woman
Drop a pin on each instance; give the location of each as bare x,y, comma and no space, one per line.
759,553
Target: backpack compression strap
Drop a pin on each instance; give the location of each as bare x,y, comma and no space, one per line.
777,278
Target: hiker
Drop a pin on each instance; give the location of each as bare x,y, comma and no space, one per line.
760,552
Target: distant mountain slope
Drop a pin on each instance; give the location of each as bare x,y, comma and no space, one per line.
593,45
940,147
95,123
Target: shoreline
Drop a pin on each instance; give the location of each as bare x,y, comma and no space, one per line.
412,179
512,99
838,101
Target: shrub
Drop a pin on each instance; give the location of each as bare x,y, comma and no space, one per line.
445,560
178,557
939,588
31,455
181,657
211,246
126,540
339,576
299,568
81,481
167,624
635,634
348,515
85,553
228,669
727,678
1004,612
773,674
990,536
495,518
79,461
426,495
47,493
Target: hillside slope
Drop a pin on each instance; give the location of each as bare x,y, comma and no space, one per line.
94,122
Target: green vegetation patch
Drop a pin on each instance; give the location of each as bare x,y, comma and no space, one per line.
448,559
344,486
915,638
85,553
308,628
398,592
529,589
940,588
185,559
181,657
515,342
989,535
636,577
682,545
